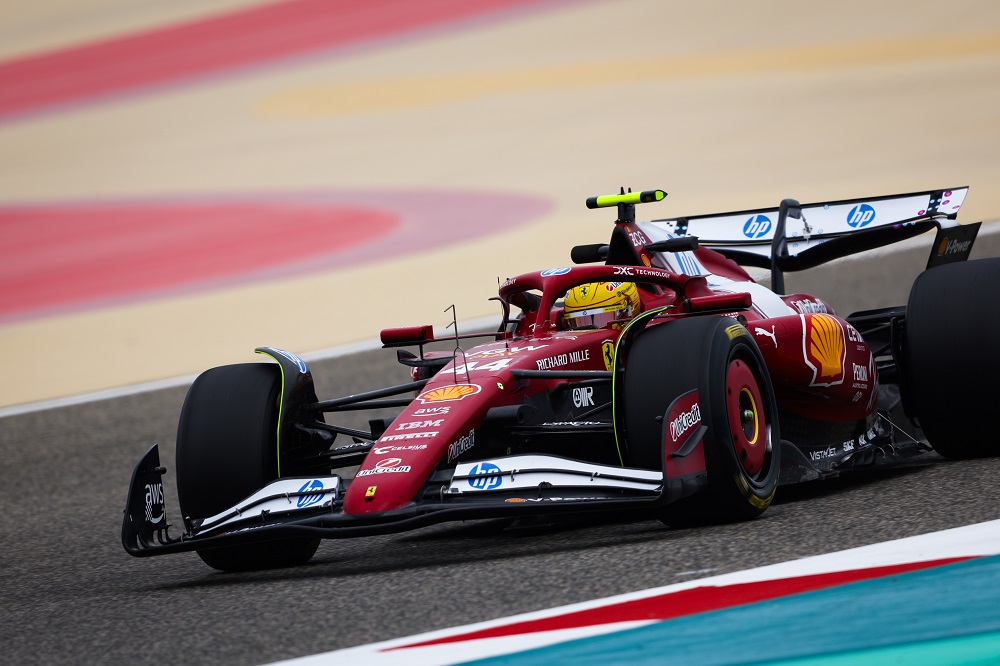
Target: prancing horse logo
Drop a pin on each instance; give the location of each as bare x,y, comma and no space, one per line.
608,352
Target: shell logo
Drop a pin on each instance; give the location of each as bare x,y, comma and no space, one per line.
449,393
824,348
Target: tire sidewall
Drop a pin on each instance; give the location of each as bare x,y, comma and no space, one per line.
731,341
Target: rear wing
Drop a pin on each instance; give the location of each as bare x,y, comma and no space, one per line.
794,236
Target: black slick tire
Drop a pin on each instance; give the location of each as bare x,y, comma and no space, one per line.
951,357
226,450
716,356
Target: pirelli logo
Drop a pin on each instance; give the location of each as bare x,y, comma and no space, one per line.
735,330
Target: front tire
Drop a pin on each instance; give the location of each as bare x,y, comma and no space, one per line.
950,354
227,448
718,357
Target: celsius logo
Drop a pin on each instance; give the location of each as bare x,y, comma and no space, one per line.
487,476
309,500
757,226
860,216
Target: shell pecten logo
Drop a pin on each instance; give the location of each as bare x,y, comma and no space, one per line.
449,393
824,348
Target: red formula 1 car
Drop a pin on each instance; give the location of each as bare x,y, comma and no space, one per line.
654,374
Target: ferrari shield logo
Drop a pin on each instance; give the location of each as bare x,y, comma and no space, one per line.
608,353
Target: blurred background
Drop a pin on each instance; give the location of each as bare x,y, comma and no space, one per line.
184,180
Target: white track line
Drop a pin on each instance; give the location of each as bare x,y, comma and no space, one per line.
977,540
185,380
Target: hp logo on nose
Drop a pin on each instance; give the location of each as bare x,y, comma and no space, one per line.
487,476
860,216
757,226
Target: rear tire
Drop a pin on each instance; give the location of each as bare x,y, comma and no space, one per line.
742,454
227,448
952,318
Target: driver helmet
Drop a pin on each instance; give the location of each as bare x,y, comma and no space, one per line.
597,304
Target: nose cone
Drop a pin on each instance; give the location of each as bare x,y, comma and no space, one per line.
385,482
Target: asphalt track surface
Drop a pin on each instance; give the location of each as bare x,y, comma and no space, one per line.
72,595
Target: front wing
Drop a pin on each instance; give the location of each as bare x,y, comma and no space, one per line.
312,506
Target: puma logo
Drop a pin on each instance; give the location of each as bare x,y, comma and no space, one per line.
760,331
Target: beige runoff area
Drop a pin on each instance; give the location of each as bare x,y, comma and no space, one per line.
727,105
